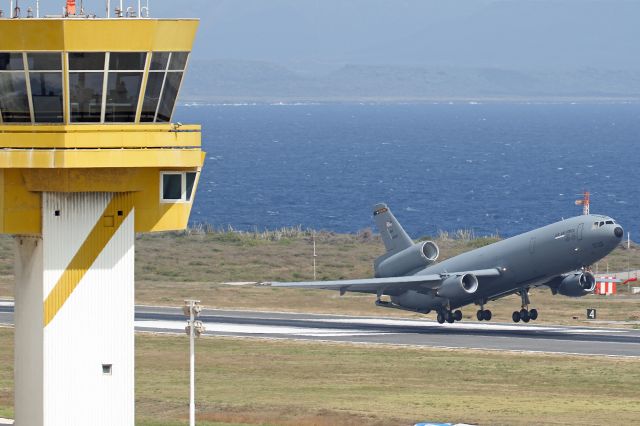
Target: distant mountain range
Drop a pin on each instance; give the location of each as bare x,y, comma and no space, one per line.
259,81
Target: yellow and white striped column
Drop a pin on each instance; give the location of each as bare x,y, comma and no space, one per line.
74,354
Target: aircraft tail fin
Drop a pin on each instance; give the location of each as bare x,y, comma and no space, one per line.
394,237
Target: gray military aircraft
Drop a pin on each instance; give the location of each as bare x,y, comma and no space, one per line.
557,256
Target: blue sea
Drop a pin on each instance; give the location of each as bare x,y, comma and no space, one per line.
486,167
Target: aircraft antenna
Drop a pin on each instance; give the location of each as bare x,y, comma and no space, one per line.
584,202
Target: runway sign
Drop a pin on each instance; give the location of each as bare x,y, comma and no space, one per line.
591,314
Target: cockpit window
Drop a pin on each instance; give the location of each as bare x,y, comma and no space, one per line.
609,222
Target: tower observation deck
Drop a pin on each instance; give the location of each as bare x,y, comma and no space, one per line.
88,157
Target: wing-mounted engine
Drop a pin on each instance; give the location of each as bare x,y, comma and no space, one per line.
458,286
576,285
417,256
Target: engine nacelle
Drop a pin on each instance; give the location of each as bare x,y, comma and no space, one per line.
577,285
417,256
458,286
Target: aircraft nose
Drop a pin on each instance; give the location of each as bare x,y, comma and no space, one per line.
618,232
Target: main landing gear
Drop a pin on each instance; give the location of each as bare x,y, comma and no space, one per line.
525,314
483,314
449,316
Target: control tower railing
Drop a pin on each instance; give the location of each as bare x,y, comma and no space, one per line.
76,9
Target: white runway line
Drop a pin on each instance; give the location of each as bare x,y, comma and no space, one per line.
224,327
258,329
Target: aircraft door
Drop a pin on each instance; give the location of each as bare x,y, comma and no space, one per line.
532,245
580,228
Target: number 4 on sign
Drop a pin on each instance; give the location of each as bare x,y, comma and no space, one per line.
591,314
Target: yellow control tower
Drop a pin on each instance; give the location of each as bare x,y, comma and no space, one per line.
88,157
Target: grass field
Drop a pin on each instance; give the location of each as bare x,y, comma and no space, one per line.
246,381
171,267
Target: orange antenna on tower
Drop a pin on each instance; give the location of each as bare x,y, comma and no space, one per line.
584,202
71,7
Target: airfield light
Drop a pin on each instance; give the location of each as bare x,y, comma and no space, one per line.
192,309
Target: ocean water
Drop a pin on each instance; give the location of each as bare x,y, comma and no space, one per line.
490,168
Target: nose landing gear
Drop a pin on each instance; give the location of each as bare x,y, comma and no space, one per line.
525,314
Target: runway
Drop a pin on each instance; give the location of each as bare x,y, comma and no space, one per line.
372,330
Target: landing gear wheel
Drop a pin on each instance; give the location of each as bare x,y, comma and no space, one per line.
486,315
533,314
524,315
480,315
449,317
457,315
515,316
440,318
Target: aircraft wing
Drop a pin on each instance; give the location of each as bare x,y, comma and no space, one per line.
390,286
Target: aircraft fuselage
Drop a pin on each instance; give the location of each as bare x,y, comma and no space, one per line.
525,260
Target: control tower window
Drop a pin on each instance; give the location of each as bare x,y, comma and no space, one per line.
178,61
169,95
155,80
14,100
191,180
44,61
86,61
163,85
127,61
86,80
45,78
159,61
123,86
11,62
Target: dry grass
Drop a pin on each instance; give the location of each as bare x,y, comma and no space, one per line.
247,381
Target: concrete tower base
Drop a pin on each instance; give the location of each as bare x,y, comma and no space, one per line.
74,313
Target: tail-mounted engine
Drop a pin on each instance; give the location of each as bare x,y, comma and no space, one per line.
410,259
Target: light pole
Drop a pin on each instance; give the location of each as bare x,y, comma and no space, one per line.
628,262
314,255
192,310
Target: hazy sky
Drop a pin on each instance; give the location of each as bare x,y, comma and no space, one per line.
520,34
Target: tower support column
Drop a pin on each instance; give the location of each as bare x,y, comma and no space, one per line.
74,306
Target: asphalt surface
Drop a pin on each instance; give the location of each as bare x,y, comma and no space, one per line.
371,330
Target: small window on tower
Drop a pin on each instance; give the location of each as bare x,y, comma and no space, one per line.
191,180
171,189
106,369
177,187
